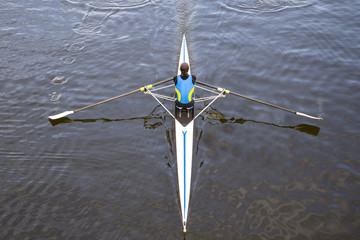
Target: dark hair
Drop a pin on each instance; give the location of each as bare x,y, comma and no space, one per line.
184,68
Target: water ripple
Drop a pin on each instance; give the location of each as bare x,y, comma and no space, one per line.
88,29
68,60
265,5
119,5
54,96
59,80
75,47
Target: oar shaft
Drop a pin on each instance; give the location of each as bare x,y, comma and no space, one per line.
262,102
259,101
120,96
248,98
64,114
107,100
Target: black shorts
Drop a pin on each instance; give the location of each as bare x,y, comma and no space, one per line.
182,105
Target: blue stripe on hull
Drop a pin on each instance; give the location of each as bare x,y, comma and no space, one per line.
184,133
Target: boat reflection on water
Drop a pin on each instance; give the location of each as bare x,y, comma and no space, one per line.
305,128
149,122
156,119
152,121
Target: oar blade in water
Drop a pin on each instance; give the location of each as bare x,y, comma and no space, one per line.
61,115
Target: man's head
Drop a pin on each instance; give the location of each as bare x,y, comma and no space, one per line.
184,68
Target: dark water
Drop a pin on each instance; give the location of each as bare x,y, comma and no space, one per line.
110,172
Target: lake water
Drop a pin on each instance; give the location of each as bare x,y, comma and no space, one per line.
109,172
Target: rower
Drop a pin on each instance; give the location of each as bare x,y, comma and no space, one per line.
184,87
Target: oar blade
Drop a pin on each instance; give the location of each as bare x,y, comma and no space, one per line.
61,115
308,116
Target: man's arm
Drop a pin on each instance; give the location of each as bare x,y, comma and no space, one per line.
193,79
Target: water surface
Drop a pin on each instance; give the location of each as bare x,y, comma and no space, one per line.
110,172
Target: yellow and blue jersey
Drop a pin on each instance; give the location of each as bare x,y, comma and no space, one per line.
184,89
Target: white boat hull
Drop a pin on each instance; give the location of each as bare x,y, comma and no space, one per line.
184,147
184,154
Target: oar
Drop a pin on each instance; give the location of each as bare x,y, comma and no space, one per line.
64,114
258,101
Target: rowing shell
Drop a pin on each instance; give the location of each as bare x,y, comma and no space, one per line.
184,127
184,132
